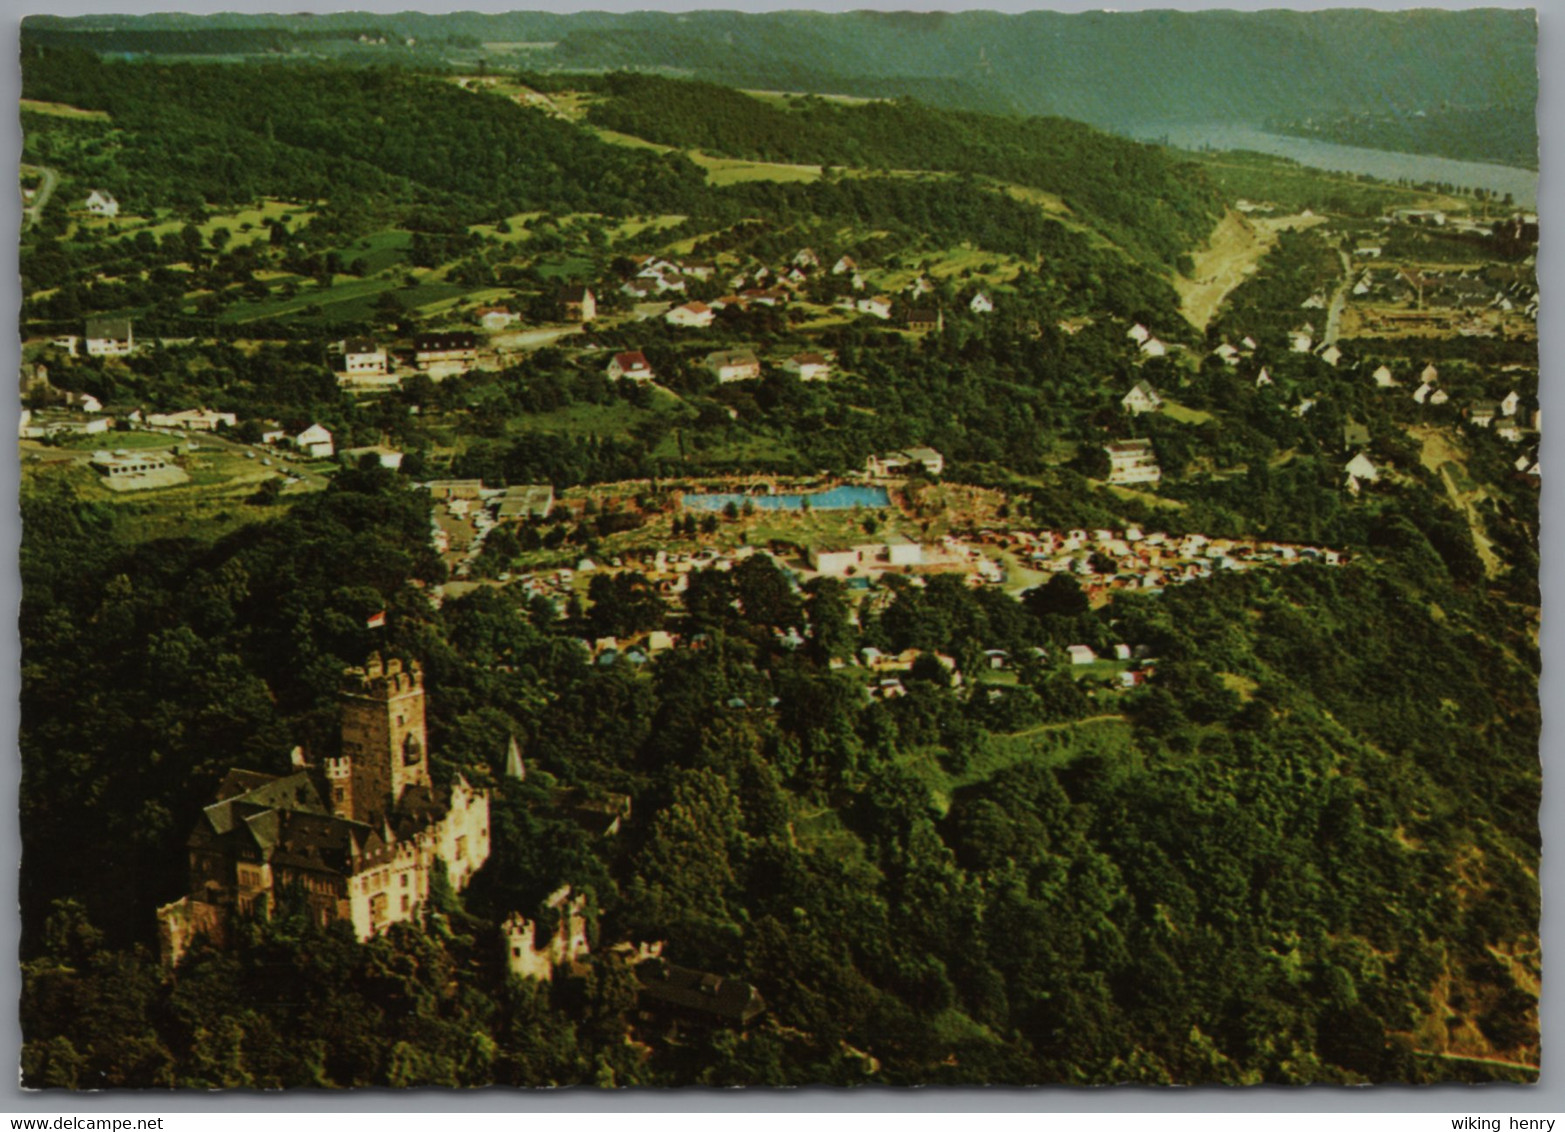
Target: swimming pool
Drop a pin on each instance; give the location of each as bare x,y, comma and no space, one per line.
841,498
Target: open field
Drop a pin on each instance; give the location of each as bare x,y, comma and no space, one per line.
61,110
1231,254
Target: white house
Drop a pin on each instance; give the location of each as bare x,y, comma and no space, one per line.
1421,394
734,365
1331,355
632,364
196,420
834,561
1300,341
844,266
1228,353
362,360
497,318
809,366
109,337
1511,403
1132,461
1431,375
386,457
1141,399
1139,333
315,441
690,314
879,306
1361,467
1439,397
1263,379
102,203
1080,654
1383,377
903,551
1152,348
981,304
903,462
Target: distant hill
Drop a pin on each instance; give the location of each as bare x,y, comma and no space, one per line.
1114,70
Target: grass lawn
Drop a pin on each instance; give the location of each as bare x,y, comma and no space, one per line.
126,440
379,250
1183,415
1053,744
61,110
733,170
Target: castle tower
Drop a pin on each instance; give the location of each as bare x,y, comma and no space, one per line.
383,735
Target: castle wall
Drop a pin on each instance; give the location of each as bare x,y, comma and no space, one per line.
184,921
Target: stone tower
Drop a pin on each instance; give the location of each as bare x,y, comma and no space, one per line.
384,743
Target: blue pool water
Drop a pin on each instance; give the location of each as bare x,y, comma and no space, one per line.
837,499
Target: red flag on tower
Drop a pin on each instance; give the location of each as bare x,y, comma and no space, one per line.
378,621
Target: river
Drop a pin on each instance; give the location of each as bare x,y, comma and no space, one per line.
1387,165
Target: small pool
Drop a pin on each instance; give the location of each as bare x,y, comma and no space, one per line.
842,498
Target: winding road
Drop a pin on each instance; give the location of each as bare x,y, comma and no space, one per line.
1339,300
51,179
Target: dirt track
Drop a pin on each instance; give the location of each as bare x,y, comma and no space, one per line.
1233,249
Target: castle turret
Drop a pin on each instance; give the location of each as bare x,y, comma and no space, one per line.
383,737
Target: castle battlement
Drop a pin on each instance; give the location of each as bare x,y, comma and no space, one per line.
383,757
383,678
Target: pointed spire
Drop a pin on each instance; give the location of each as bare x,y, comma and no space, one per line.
514,766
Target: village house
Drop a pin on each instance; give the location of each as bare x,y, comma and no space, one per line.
315,442
1300,341
878,307
1263,379
1330,355
844,266
834,561
904,462
690,315
1080,654
923,318
1481,414
101,202
631,364
384,457
445,347
1152,348
109,338
1354,435
734,365
808,366
1142,398
362,360
1138,334
696,997
1132,461
981,304
195,420
137,471
497,318
1361,467
1384,378
358,837
1511,403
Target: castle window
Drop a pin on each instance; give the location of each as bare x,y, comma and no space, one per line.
461,848
404,902
404,880
338,794
412,751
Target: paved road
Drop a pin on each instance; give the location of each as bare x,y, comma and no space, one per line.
50,180
1339,300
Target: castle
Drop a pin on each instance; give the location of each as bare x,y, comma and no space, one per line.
356,836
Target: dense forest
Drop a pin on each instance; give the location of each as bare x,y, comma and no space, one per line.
1231,886
1300,845
1130,190
1119,71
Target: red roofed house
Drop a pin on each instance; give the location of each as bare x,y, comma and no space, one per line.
631,364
